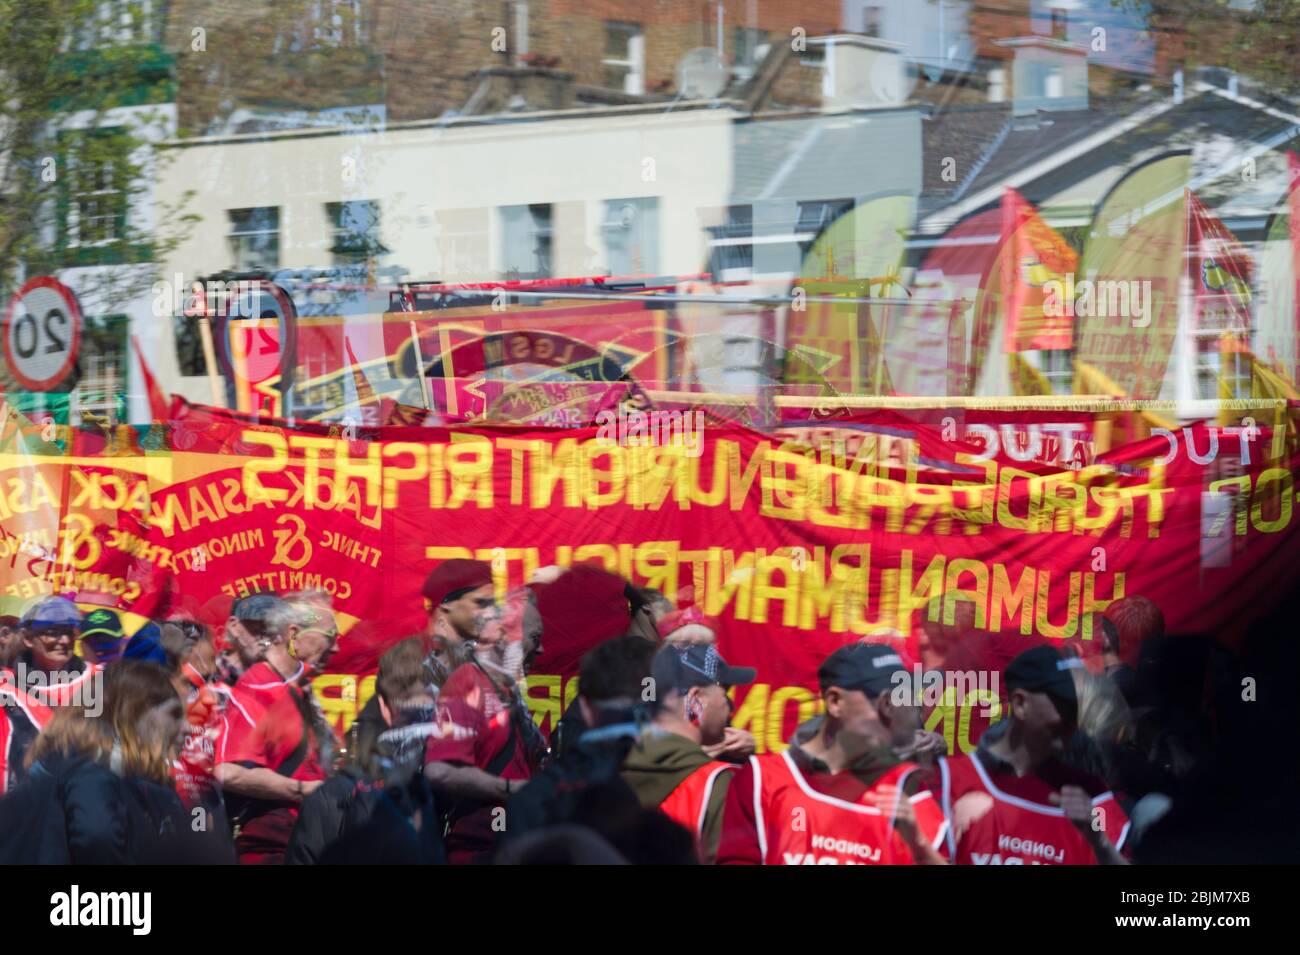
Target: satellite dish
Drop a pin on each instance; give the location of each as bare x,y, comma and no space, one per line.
702,74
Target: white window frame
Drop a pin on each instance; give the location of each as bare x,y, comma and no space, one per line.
634,78
234,234
74,206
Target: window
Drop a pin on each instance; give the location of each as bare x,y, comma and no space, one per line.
624,59
527,233
748,43
1057,366
336,22
355,228
116,21
731,252
873,20
102,388
255,238
631,231
97,180
816,216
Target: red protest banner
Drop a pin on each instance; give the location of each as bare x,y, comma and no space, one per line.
795,547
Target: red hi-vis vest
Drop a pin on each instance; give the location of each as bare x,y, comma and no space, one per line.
689,802
799,826
992,827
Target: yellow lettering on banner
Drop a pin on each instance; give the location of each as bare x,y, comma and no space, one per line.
448,553
311,446
739,482
1242,484
1064,503
1021,598
1045,626
953,592
1283,494
254,489
570,691
825,589
889,614
785,485
870,492
593,477
501,567
751,714
657,563
1006,481
776,713
764,590
983,492
469,463
80,533
370,471
728,579
437,476
607,554
930,585
979,700
42,494
518,448
339,708
833,483
555,464
699,561
718,487
1093,604
930,500
118,499
546,704
1155,491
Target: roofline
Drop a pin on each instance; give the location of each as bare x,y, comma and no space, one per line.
734,106
943,219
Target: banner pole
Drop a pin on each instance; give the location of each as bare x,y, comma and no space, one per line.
419,369
210,359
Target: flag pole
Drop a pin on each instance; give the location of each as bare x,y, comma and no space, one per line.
419,368
210,359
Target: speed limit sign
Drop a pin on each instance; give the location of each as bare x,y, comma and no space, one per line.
42,333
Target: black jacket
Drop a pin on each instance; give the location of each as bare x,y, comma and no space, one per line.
356,818
73,810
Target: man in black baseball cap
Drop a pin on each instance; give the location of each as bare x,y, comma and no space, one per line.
668,768
855,801
1013,800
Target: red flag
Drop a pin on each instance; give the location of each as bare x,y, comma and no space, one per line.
1034,257
158,409
1219,268
365,393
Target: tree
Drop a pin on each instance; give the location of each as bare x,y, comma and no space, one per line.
80,86
1258,38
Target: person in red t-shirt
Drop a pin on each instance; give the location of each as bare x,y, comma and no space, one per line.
275,746
488,745
1013,801
192,663
840,795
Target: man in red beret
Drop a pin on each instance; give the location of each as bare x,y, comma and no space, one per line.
455,593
